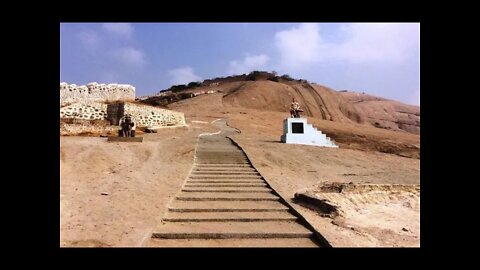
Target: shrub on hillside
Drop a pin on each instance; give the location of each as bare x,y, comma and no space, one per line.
177,88
287,77
194,84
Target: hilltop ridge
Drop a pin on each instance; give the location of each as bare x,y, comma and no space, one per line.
266,91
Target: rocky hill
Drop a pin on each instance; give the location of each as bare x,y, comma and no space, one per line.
269,92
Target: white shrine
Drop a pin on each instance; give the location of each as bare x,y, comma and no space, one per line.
298,131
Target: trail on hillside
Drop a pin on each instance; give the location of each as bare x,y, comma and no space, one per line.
320,102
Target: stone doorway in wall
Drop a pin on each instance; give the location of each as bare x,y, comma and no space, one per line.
115,112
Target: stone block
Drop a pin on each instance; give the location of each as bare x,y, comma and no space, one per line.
125,139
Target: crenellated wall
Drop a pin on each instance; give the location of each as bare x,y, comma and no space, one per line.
94,92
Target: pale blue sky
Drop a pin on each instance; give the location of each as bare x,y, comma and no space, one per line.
379,59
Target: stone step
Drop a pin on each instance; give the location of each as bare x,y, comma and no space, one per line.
222,161
224,170
226,206
227,170
232,159
225,177
226,196
194,185
217,147
228,189
230,164
221,164
226,230
225,181
216,152
217,165
213,190
219,152
241,216
302,242
225,153
219,155
225,173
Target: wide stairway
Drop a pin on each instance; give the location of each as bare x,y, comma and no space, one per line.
225,202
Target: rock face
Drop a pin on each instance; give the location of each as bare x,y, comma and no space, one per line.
94,92
387,114
324,103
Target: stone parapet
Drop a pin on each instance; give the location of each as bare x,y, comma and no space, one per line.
94,92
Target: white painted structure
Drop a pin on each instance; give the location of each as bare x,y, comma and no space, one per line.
298,131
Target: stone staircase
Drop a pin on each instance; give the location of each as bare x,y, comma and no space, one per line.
323,135
225,202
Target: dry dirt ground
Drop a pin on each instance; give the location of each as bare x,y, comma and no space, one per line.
378,215
139,178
